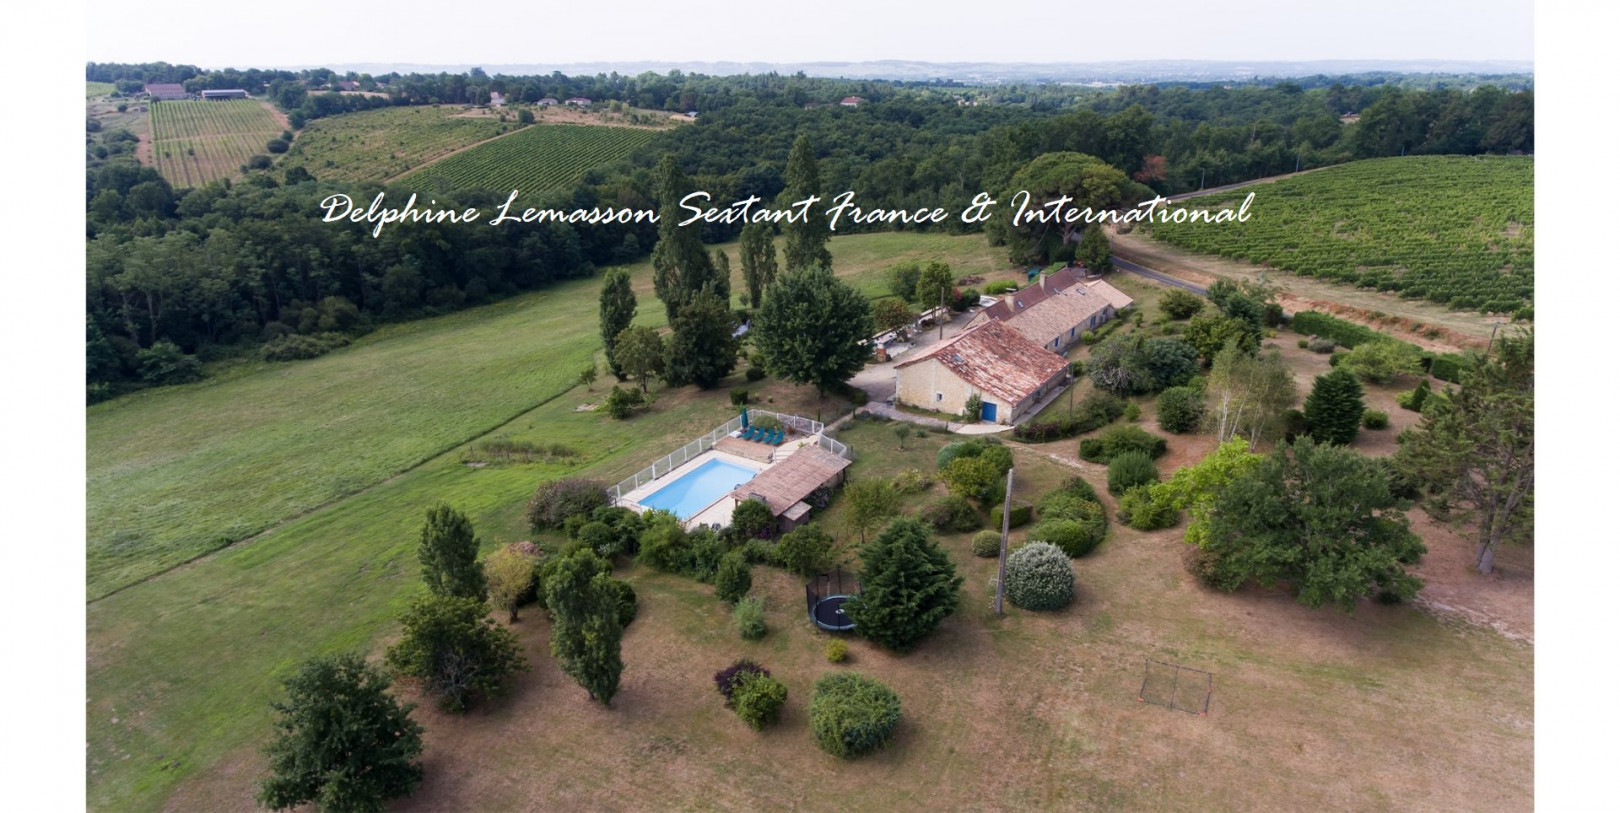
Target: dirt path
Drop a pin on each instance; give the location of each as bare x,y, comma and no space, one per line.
1423,323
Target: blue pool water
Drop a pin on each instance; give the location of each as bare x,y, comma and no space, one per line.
699,488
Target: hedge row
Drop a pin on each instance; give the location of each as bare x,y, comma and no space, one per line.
1444,366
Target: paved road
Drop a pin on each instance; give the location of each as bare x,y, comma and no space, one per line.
1140,270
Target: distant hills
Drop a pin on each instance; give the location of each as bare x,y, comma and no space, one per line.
1115,72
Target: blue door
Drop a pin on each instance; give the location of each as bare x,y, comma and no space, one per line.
987,411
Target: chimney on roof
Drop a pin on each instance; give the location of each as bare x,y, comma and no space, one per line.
1043,282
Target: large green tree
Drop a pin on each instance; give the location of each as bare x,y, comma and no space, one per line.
585,626
640,353
618,308
341,740
448,551
1094,251
871,503
455,651
682,268
813,329
806,239
1318,517
1477,446
935,283
1333,409
702,349
1086,180
758,256
908,586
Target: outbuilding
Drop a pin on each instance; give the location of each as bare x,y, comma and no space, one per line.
1009,373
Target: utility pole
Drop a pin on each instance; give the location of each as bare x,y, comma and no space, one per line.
1006,518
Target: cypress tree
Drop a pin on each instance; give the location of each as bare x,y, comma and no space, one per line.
1333,409
585,628
618,308
908,586
1094,251
758,256
681,267
806,239
449,554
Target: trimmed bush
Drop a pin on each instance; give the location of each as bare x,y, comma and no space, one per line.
1449,367
1130,469
1075,537
1179,304
987,544
1348,334
1077,486
1022,513
1317,344
836,651
1180,409
1374,419
557,500
1040,577
758,699
999,287
1133,413
1304,343
755,374
1117,440
749,618
1382,361
951,514
728,679
739,396
852,714
1139,510
966,448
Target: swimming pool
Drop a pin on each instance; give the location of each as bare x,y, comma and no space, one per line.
699,488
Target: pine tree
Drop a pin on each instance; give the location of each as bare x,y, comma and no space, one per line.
758,256
681,266
618,308
702,349
449,554
806,245
1333,409
342,741
908,586
585,628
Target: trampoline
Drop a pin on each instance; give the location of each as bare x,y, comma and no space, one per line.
824,599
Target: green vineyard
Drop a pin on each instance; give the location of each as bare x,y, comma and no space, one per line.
196,142
1451,229
376,145
537,159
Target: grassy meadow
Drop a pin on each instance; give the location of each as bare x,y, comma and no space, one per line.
94,89
323,470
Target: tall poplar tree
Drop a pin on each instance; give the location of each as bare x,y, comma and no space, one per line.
618,308
807,239
585,628
681,266
758,256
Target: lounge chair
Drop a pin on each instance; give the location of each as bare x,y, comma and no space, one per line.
752,433
776,437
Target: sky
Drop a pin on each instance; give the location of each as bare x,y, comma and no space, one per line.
295,33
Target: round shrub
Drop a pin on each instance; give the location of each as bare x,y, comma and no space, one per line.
1375,419
1304,343
1180,409
836,651
1039,577
1076,537
558,500
987,543
951,514
852,714
758,699
952,451
755,373
1317,344
1130,469
728,679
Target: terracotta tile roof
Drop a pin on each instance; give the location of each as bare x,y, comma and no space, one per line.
793,479
1036,292
996,359
1066,303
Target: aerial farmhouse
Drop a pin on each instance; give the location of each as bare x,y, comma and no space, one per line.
1007,371
1058,309
167,93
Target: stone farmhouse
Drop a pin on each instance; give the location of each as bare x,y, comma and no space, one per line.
1055,311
